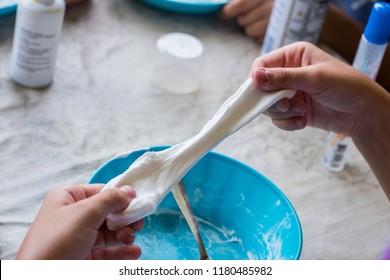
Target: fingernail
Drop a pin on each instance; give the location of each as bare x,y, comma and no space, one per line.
128,190
298,107
282,106
131,237
126,236
300,124
261,76
138,225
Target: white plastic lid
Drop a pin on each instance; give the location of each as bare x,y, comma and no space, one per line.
180,45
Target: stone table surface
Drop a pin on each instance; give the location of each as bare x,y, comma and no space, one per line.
102,102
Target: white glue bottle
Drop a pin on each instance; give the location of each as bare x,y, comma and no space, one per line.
368,59
36,36
292,21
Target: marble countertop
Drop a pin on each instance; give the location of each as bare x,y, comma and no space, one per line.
102,102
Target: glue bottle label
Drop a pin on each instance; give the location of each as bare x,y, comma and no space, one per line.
336,151
292,21
35,46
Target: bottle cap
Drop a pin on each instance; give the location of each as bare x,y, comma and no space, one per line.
178,63
180,45
377,30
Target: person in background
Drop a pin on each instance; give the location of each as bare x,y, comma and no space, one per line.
71,225
251,15
332,96
343,17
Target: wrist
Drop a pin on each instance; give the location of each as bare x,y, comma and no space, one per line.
372,135
374,122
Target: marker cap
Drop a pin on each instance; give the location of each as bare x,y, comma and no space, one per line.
377,30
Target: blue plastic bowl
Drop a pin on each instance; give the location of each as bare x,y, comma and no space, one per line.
187,7
7,7
241,214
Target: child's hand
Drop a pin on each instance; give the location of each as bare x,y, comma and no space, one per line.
71,225
330,95
252,15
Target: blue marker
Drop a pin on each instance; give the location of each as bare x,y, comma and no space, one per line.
368,59
374,41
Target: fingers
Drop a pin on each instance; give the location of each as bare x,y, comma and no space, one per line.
288,108
294,55
289,114
123,236
271,79
68,195
79,192
129,252
291,124
282,105
299,66
237,7
126,235
108,238
97,207
254,14
137,226
257,29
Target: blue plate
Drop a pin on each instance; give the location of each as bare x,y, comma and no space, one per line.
241,214
7,7
188,6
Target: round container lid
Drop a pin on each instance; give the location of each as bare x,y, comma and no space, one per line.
180,45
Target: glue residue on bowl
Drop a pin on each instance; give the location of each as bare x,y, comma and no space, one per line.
272,240
241,214
175,240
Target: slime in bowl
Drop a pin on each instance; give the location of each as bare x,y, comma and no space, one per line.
240,213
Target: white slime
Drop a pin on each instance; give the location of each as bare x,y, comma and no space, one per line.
154,174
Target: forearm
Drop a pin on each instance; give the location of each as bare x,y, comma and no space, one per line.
373,139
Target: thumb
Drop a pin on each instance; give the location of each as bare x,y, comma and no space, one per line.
108,201
271,79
